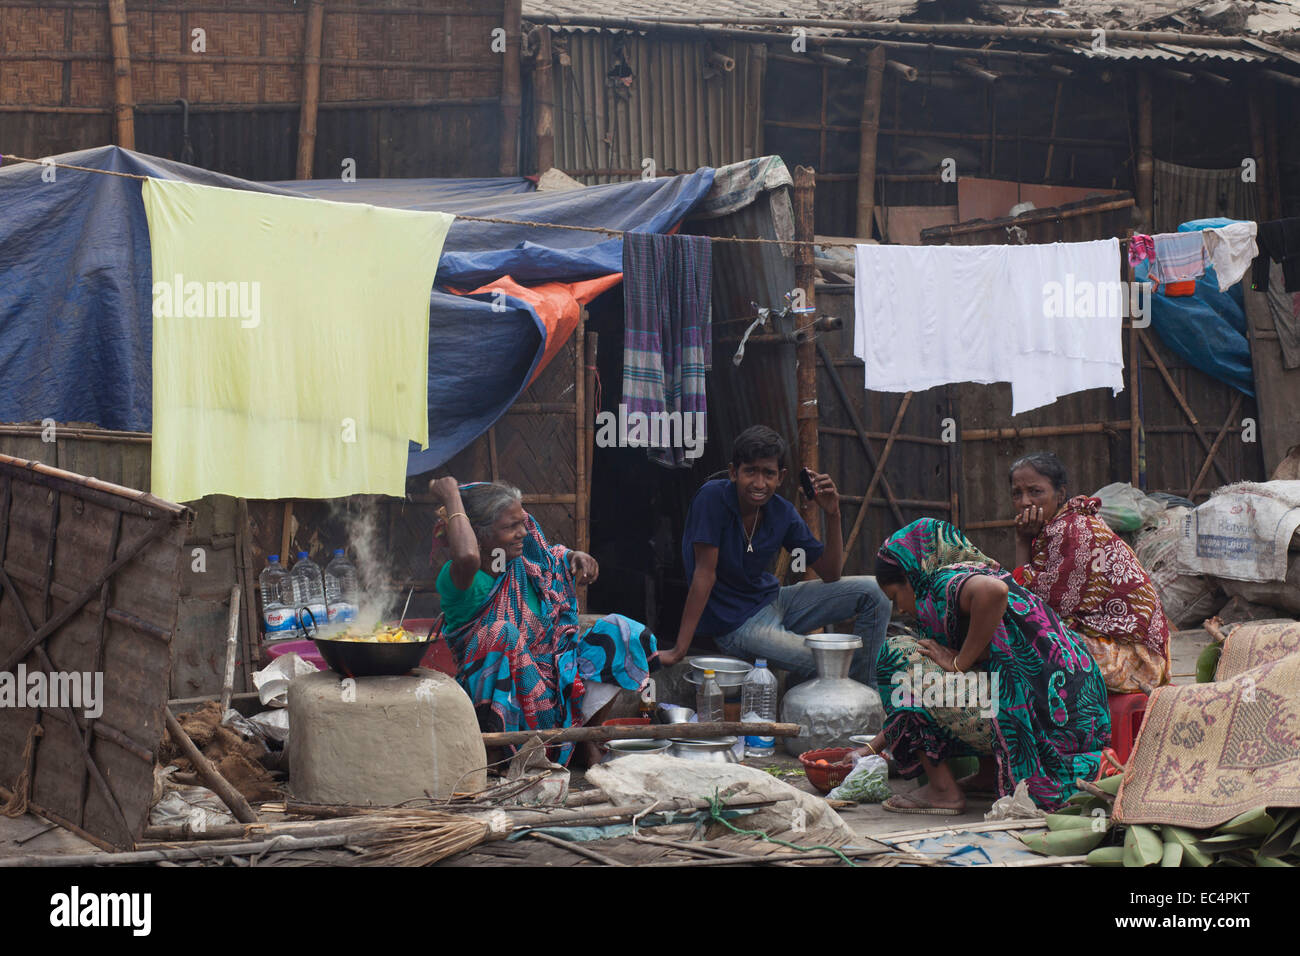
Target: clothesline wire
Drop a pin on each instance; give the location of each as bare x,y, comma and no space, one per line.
613,233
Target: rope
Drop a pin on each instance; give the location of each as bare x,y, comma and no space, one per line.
715,811
17,805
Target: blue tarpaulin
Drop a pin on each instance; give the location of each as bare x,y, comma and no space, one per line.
76,328
1207,329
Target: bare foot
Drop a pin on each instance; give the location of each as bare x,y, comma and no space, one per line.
929,795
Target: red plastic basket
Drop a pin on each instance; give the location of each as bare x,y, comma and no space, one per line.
825,777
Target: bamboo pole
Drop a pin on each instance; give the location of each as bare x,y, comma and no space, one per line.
887,27
1182,402
582,525
1145,170
704,731
123,98
868,125
806,352
219,785
1214,449
232,648
311,64
544,101
875,478
247,577
1035,431
510,96
1259,147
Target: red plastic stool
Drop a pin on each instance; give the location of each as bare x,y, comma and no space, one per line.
1127,711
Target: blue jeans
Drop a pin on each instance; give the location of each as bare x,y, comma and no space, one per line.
776,632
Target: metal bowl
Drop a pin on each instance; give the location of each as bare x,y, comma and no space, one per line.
727,671
718,750
362,659
626,748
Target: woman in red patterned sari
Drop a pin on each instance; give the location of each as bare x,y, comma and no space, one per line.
1071,559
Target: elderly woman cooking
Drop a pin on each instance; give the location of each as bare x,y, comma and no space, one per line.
510,617
1040,715
1070,558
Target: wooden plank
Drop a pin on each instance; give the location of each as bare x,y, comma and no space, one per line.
1276,386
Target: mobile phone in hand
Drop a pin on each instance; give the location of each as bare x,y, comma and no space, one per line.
806,483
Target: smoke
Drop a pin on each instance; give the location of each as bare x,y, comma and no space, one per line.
366,549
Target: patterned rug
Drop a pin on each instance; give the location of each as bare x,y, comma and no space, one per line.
1258,642
1208,752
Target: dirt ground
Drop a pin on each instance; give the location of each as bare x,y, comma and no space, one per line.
32,835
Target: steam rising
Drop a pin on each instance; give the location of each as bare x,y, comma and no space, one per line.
365,547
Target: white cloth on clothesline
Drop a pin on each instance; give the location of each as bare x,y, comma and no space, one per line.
1046,318
1231,249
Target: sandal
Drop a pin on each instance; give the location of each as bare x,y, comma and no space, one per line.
895,804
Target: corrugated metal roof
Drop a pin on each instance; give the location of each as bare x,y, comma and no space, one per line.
665,109
879,10
1261,17
1167,51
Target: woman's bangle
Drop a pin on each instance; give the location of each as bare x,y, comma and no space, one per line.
874,752
956,666
458,514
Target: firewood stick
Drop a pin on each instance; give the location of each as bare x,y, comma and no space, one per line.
232,650
642,732
219,785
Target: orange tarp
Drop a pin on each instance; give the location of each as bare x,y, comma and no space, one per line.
558,305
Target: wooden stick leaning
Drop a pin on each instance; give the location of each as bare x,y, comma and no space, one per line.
702,731
231,797
232,649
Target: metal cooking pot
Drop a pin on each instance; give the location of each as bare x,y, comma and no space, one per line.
359,659
626,748
727,671
718,750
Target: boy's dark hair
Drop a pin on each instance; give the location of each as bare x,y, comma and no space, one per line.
755,442
1046,464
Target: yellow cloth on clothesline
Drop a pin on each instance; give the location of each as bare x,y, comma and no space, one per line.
290,342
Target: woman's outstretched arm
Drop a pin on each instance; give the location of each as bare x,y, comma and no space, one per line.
465,557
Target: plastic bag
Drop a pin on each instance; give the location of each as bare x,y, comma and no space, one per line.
867,782
1125,508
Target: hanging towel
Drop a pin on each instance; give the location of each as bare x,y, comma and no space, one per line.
1231,249
1046,318
291,342
1179,256
1140,249
667,341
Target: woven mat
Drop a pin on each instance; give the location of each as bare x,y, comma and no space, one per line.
1208,752
1258,642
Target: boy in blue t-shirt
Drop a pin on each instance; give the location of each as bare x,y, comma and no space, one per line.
734,528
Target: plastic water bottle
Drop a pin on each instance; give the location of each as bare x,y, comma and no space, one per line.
279,620
309,591
708,699
758,703
341,589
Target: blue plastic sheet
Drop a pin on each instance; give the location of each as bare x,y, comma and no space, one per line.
76,331
1207,329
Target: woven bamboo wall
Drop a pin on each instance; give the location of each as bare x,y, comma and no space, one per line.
390,56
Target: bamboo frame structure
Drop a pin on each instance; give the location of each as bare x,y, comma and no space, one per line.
313,38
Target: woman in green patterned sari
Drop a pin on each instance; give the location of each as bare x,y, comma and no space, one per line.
1041,711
